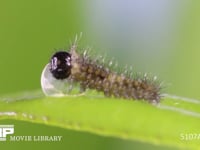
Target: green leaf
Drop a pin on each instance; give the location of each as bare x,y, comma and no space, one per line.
173,122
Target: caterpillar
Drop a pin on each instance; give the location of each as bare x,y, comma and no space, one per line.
68,68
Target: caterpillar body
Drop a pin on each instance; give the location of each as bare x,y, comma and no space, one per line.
73,67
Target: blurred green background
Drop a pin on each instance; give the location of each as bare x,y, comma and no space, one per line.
157,37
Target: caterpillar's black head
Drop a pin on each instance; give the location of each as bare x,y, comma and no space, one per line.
60,65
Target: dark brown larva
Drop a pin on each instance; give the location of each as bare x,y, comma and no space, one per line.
93,75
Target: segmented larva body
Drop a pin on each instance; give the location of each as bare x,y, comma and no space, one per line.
94,75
